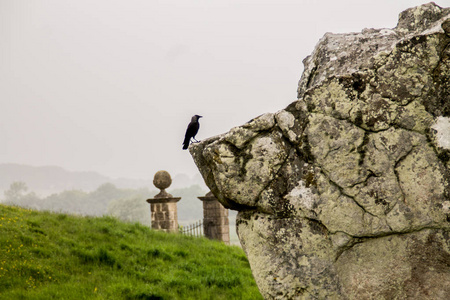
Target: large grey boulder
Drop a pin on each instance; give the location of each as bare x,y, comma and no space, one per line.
345,193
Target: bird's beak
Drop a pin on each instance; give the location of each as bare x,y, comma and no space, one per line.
200,116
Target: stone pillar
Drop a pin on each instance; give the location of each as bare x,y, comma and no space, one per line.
163,207
215,219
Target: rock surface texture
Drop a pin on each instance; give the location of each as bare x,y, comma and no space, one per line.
345,194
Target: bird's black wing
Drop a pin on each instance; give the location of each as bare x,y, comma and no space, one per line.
191,131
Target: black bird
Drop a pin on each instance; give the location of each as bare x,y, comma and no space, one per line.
191,131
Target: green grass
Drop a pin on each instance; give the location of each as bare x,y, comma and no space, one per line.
55,256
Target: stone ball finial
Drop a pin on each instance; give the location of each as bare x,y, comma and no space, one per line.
162,180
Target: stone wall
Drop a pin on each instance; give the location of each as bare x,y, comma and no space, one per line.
164,216
215,219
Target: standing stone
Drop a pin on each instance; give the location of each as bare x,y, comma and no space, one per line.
345,193
163,206
215,219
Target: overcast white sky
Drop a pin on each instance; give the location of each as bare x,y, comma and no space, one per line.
110,85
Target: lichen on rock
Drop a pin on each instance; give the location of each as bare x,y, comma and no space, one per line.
342,193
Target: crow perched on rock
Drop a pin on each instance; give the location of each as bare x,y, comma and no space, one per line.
191,131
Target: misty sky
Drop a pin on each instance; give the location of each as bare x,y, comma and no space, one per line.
110,86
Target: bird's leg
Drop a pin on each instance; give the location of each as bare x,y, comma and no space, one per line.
194,139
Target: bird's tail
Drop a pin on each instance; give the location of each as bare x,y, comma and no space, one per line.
186,143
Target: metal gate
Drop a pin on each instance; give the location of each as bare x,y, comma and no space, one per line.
194,229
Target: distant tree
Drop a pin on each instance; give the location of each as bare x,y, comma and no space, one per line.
131,210
106,191
73,201
16,195
190,208
16,191
126,204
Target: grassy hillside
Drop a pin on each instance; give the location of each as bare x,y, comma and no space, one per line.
56,256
